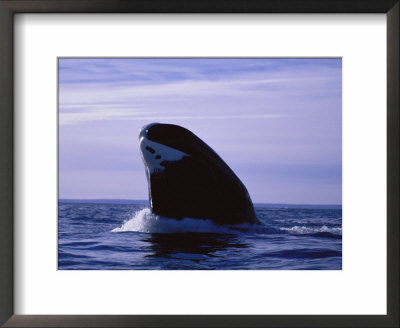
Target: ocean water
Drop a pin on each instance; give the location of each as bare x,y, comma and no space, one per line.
125,236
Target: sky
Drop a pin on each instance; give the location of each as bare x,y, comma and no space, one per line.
276,122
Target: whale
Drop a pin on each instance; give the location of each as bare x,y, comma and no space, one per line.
188,179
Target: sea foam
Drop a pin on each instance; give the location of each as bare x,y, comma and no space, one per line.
301,230
145,221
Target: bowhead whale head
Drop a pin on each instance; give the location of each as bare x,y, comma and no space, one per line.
187,178
161,144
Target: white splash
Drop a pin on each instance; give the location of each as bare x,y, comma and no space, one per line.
146,221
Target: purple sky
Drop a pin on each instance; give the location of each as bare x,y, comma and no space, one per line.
276,122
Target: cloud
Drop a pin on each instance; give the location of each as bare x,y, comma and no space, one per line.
76,118
87,93
254,95
169,100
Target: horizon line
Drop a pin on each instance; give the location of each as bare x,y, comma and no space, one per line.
147,201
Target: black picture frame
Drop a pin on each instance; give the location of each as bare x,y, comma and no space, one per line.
10,7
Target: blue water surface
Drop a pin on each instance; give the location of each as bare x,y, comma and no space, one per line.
118,236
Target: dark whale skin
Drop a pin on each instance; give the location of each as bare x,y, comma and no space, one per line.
200,185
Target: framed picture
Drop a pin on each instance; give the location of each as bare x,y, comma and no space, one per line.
106,117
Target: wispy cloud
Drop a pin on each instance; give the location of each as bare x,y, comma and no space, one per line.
76,118
88,93
114,90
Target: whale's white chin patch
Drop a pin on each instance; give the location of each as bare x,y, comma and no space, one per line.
154,154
